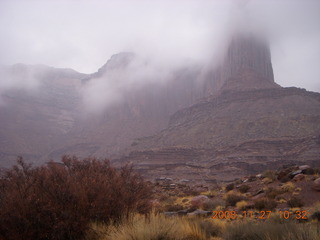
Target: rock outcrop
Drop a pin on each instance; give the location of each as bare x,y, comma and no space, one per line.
246,65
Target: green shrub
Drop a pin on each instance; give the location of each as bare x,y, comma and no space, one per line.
59,201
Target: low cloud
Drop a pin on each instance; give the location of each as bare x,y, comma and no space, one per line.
165,35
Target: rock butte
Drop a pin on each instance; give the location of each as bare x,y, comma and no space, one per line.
247,125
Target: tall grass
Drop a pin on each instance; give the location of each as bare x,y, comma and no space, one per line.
156,227
271,231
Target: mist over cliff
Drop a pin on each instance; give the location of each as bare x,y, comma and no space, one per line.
166,34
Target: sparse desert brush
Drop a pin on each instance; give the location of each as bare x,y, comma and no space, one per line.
270,231
242,205
210,193
229,187
58,202
154,226
244,188
267,180
269,174
232,199
212,204
265,204
295,202
288,187
282,200
272,193
173,208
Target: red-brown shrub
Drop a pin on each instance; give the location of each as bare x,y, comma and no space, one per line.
59,202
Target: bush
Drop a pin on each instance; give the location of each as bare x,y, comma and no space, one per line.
244,188
173,208
295,202
265,204
242,205
211,204
288,187
232,199
272,193
229,187
59,201
269,174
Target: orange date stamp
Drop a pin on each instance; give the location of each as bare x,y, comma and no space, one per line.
300,215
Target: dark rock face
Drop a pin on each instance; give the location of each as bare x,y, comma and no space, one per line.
248,54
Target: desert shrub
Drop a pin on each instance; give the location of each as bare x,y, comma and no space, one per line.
173,208
244,188
232,199
267,180
191,192
265,204
270,231
198,201
229,187
288,187
59,201
155,226
272,193
269,174
211,204
242,205
295,202
210,228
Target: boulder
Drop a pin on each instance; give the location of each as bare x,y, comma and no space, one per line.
199,212
294,173
298,177
183,212
304,167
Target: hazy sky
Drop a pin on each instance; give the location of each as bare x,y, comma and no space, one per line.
83,34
